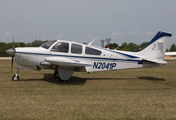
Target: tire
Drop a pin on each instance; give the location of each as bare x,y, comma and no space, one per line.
14,78
56,74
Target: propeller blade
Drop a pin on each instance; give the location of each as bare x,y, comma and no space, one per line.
13,48
12,63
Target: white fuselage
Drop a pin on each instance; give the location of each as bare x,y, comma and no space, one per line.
105,60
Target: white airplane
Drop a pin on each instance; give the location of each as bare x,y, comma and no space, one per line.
173,54
65,57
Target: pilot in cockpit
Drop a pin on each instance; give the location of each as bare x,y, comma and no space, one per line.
60,47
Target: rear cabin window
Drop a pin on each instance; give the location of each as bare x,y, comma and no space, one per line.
92,51
76,49
60,47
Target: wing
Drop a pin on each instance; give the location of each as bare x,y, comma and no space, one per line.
66,66
66,62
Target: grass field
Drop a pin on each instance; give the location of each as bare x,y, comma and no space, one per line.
145,94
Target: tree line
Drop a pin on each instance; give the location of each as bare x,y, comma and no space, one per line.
134,47
4,46
125,46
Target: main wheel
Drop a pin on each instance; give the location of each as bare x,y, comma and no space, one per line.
56,74
15,78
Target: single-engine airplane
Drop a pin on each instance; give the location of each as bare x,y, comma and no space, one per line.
65,57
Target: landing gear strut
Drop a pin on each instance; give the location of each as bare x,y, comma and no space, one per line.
16,77
56,75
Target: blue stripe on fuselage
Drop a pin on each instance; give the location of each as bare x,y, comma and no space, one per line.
130,56
69,56
125,55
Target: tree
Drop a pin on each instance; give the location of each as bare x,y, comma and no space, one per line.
173,48
124,47
143,45
133,47
112,45
129,47
167,50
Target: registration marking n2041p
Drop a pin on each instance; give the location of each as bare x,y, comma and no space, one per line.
104,65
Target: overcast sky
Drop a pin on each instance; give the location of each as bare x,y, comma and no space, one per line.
134,21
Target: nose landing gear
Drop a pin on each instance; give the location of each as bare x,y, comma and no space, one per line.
16,77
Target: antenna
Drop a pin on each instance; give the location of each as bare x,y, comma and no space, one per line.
91,42
47,37
110,35
102,42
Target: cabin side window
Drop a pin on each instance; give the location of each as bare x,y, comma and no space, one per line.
60,47
92,51
76,49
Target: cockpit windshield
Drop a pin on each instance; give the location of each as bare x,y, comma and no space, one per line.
48,44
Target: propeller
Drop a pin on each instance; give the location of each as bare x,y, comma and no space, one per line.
13,48
12,63
12,52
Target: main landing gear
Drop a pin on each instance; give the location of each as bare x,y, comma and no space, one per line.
16,77
56,75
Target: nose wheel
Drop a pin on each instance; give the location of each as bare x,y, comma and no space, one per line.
16,77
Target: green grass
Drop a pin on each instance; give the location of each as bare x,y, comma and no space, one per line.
146,94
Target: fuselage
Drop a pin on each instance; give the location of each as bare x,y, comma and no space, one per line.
65,57
96,58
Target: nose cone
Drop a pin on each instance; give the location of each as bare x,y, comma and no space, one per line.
10,51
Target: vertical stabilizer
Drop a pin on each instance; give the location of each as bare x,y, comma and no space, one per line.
157,46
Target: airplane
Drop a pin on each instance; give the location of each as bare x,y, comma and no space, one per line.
65,57
170,54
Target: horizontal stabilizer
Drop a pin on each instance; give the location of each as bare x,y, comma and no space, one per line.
66,62
161,62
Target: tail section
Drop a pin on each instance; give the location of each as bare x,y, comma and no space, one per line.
157,47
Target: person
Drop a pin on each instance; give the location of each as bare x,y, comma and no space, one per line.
62,48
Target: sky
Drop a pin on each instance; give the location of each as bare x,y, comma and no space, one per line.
128,21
